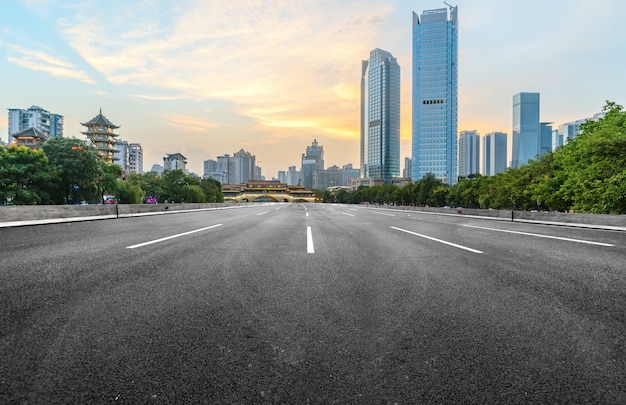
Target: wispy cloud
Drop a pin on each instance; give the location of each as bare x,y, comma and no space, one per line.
253,54
190,123
157,97
42,61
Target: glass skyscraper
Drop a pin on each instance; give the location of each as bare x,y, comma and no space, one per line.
494,153
435,94
526,137
380,116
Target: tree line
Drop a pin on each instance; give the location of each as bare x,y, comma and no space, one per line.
586,175
67,171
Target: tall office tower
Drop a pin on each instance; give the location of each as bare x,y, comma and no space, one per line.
469,153
312,161
293,176
349,173
526,136
408,168
210,166
545,140
35,117
244,167
435,94
258,173
135,161
380,116
494,153
226,166
282,176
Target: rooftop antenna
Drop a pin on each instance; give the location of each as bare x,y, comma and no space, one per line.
447,5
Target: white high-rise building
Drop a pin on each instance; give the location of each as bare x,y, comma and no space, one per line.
35,117
174,161
469,153
135,158
122,155
493,151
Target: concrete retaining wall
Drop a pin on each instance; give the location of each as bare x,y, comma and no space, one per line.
47,212
10,213
547,217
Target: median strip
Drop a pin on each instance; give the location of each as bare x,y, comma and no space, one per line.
438,240
171,237
538,235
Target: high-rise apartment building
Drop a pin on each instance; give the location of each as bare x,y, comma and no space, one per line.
380,116
435,94
174,161
135,158
469,153
122,154
51,125
570,130
526,136
312,161
494,153
244,166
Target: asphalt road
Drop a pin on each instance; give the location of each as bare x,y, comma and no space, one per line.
311,304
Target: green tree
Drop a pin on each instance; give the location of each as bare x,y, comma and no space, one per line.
594,163
129,193
25,176
212,190
192,193
111,174
424,187
79,169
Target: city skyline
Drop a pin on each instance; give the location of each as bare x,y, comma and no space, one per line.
204,80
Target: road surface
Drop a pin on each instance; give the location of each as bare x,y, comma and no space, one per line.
311,304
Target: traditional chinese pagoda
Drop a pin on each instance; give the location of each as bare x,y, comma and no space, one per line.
100,132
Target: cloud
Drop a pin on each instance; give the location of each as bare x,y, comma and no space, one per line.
253,54
158,98
41,61
190,123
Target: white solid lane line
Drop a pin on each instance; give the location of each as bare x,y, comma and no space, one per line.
438,240
171,237
541,236
345,213
264,212
309,240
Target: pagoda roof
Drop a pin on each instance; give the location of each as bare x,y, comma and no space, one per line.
32,132
100,120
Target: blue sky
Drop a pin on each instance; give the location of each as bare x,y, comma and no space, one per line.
209,77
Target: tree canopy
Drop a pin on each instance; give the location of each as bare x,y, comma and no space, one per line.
588,174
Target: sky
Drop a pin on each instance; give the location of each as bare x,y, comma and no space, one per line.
209,77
